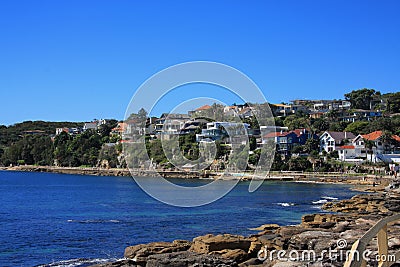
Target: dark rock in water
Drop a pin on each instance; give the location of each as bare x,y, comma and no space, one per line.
187,258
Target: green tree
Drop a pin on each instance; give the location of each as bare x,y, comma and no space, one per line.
357,127
295,122
361,98
105,129
320,125
393,102
299,164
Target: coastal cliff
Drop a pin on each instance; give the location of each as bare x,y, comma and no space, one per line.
317,232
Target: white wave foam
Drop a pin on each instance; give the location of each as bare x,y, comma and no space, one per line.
316,207
77,262
285,204
330,198
321,201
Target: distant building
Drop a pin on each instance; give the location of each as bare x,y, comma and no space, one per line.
171,123
90,126
286,141
360,115
219,130
199,111
372,147
72,131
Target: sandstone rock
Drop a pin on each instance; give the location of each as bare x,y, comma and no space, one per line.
251,262
341,227
209,243
254,248
238,255
265,227
187,258
317,240
139,253
289,231
327,225
394,243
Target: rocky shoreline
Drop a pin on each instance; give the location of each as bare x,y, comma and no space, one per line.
317,232
316,177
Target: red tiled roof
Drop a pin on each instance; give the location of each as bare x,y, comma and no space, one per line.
205,107
372,136
275,134
346,147
299,132
375,135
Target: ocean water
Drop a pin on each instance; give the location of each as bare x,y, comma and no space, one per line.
70,220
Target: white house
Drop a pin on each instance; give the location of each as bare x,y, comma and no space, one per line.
219,129
90,126
171,123
329,141
377,149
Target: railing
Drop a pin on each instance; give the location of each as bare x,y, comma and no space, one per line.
356,259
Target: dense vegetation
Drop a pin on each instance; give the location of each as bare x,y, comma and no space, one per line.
85,149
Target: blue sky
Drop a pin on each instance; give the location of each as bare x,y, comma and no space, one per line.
79,60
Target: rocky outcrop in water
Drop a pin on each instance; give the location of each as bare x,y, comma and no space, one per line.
317,232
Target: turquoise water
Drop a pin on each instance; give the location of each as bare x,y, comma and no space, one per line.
70,220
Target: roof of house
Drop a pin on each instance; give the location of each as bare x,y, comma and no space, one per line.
275,134
372,136
376,135
205,107
339,136
299,132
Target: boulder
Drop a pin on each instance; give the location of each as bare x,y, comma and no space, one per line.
238,255
266,227
209,243
139,253
317,240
